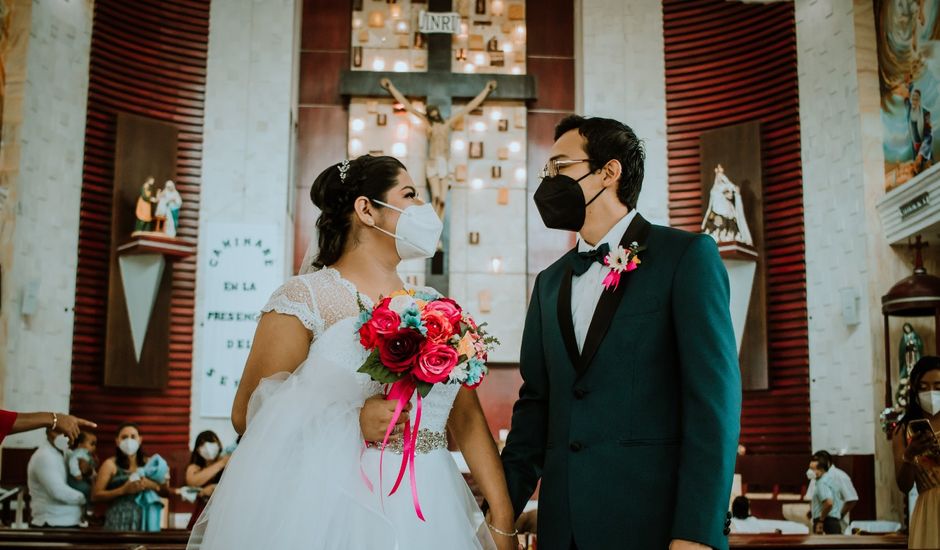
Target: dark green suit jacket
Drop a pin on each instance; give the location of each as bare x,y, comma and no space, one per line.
635,437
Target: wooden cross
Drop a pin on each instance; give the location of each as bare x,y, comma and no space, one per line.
438,85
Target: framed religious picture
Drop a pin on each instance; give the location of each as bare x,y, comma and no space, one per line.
502,196
476,149
357,5
381,119
475,42
404,41
460,173
492,45
420,40
497,59
503,125
503,153
517,12
363,36
480,7
496,172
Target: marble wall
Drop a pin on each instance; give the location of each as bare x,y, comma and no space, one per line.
41,175
250,111
622,76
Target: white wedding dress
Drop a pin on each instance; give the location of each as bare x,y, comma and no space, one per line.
295,481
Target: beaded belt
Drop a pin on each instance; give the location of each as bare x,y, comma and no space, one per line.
427,441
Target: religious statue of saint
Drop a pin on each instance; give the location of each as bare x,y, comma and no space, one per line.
910,350
724,217
145,202
167,214
437,166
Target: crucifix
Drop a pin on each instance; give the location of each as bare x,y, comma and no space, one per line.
439,85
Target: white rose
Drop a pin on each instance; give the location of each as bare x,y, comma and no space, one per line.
460,373
400,303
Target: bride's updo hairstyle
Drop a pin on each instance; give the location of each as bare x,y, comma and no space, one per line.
334,194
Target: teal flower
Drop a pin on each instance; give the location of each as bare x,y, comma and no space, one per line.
364,317
476,369
411,318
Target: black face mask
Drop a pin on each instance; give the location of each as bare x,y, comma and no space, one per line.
560,202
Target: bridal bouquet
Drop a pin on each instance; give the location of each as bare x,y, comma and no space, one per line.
417,340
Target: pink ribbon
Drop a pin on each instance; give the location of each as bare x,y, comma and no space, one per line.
402,392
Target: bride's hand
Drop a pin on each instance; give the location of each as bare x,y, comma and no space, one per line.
375,415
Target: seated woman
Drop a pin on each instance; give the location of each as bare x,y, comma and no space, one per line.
124,482
205,469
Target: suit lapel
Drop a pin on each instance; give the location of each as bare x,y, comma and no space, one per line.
565,322
638,231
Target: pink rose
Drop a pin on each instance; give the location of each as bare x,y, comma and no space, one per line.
448,307
435,363
384,320
439,327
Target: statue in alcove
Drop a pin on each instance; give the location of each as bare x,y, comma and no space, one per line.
910,350
437,165
145,204
724,218
167,214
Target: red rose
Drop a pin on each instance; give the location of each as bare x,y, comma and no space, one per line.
439,328
435,363
448,307
368,337
399,351
384,320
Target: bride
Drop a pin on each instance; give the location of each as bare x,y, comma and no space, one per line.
298,478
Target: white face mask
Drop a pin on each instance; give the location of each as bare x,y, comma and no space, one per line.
61,442
810,474
129,446
209,450
930,401
417,232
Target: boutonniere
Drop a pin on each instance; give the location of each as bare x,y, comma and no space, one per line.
621,260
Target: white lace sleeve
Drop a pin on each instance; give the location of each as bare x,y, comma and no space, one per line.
294,298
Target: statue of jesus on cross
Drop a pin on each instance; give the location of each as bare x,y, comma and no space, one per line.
437,167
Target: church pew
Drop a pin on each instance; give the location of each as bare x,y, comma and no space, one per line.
822,542
93,536
92,546
778,474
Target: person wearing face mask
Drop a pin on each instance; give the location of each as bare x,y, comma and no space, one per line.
119,482
631,387
303,476
826,509
917,453
205,470
53,502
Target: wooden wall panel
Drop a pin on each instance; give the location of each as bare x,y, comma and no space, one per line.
727,63
148,59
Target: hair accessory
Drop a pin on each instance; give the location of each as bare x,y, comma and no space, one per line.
343,168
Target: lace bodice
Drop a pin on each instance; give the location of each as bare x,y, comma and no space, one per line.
328,305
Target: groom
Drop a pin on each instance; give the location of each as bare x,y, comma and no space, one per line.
631,396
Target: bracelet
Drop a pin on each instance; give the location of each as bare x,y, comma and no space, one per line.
498,531
55,421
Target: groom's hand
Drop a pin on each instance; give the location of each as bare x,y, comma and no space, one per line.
375,415
677,544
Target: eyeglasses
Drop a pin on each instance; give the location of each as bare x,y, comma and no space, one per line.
553,166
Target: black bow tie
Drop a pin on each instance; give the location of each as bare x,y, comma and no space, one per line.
581,262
